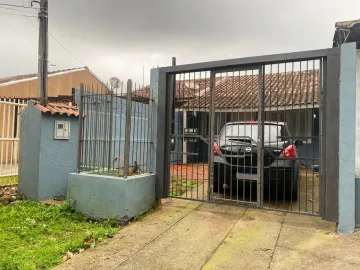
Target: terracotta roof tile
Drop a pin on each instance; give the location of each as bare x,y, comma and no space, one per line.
185,88
281,89
58,108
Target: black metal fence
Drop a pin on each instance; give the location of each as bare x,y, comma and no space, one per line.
115,130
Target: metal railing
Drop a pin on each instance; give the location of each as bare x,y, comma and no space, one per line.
114,131
10,111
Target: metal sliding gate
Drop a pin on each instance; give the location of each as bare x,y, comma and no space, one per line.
251,131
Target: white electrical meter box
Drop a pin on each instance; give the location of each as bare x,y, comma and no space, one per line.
62,130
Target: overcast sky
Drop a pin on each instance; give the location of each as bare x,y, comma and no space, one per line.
119,37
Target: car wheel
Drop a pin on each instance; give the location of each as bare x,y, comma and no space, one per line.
215,187
294,191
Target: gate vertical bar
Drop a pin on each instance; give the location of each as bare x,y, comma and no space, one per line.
80,132
211,136
127,128
260,170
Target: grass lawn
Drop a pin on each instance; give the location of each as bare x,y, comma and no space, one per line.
37,236
180,185
9,180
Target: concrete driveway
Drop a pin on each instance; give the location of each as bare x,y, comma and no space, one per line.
191,235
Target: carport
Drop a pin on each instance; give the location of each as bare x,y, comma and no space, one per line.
324,183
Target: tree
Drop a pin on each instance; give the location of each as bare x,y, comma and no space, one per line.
114,84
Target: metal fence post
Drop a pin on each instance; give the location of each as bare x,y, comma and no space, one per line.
80,134
260,161
127,128
211,136
110,157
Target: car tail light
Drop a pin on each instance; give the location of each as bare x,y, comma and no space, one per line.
289,152
217,151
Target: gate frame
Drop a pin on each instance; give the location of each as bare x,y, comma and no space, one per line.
162,79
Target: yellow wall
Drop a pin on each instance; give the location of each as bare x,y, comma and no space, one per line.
59,85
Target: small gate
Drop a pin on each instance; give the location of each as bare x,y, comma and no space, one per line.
251,131
10,111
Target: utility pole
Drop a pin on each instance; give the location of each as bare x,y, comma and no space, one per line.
43,52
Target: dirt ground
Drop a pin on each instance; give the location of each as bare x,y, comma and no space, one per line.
8,194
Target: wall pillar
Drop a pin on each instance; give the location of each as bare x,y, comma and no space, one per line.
357,148
45,162
347,137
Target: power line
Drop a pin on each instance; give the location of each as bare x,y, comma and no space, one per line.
66,49
27,16
30,12
10,5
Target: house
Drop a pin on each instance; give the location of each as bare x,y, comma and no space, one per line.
60,84
15,91
347,32
292,97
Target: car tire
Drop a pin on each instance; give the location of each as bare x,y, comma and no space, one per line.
294,190
294,193
215,187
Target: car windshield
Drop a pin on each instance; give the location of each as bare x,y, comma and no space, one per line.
272,133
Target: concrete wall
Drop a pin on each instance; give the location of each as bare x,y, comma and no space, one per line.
29,158
347,137
45,163
58,158
357,148
103,197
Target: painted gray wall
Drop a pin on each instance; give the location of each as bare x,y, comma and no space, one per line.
45,163
57,157
347,130
103,197
29,151
357,148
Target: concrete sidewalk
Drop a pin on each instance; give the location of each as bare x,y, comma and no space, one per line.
191,235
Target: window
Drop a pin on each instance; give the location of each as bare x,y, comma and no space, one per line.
272,133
